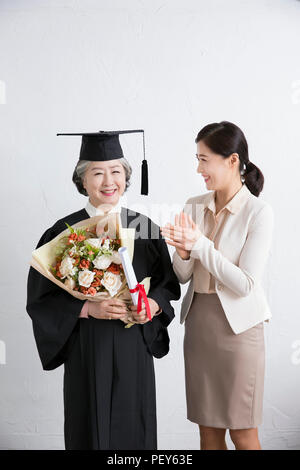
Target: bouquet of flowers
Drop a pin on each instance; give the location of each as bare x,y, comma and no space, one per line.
88,261
84,259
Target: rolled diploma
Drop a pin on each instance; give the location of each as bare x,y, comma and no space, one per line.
129,272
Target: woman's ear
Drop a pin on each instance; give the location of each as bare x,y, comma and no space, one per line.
234,160
235,157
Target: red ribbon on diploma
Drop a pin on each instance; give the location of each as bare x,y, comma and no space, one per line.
142,295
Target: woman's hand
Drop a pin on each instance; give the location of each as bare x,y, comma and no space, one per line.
142,316
183,235
110,309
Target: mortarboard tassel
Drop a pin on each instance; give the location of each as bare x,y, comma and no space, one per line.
144,177
144,186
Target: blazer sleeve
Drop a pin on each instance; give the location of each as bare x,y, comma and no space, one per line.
240,278
183,268
54,314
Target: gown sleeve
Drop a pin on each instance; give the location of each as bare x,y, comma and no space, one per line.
54,314
164,287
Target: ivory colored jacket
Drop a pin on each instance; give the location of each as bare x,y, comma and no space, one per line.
237,265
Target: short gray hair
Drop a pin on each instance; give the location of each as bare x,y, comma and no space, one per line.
81,167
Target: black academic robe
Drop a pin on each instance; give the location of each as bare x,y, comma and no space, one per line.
109,381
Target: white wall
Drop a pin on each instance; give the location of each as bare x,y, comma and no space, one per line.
169,67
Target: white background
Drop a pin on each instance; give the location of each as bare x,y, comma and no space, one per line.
169,67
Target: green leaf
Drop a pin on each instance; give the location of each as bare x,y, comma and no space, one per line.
70,228
81,232
92,248
104,251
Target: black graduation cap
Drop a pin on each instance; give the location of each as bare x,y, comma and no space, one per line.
105,145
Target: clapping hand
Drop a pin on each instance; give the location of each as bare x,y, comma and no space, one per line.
183,234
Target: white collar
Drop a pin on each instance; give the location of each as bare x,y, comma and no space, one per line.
234,204
93,211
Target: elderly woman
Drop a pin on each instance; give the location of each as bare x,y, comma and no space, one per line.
222,241
109,381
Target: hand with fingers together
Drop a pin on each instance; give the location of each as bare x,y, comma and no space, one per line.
142,316
109,309
183,234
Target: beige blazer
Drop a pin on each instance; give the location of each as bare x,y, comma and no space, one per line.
237,265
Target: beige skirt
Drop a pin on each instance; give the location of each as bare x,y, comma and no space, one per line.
224,371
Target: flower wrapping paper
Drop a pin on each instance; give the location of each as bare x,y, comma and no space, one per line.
45,256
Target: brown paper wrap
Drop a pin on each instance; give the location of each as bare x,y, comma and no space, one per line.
46,255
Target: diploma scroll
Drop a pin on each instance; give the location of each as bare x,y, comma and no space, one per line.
129,272
137,290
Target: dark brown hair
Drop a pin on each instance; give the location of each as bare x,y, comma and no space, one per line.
225,138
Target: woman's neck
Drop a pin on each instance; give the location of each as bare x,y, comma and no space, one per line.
104,207
223,196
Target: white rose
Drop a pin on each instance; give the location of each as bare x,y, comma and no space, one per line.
106,244
102,261
70,283
95,242
116,258
72,250
111,282
66,268
85,277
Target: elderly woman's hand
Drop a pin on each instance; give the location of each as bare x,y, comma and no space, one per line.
183,235
142,316
110,309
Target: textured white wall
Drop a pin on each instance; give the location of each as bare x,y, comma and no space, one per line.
169,67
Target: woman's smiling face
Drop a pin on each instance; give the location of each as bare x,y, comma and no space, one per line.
105,182
217,172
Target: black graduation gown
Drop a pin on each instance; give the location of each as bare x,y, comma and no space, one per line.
109,381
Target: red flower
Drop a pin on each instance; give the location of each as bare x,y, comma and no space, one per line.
84,264
96,282
98,272
57,266
81,238
72,237
91,291
114,268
